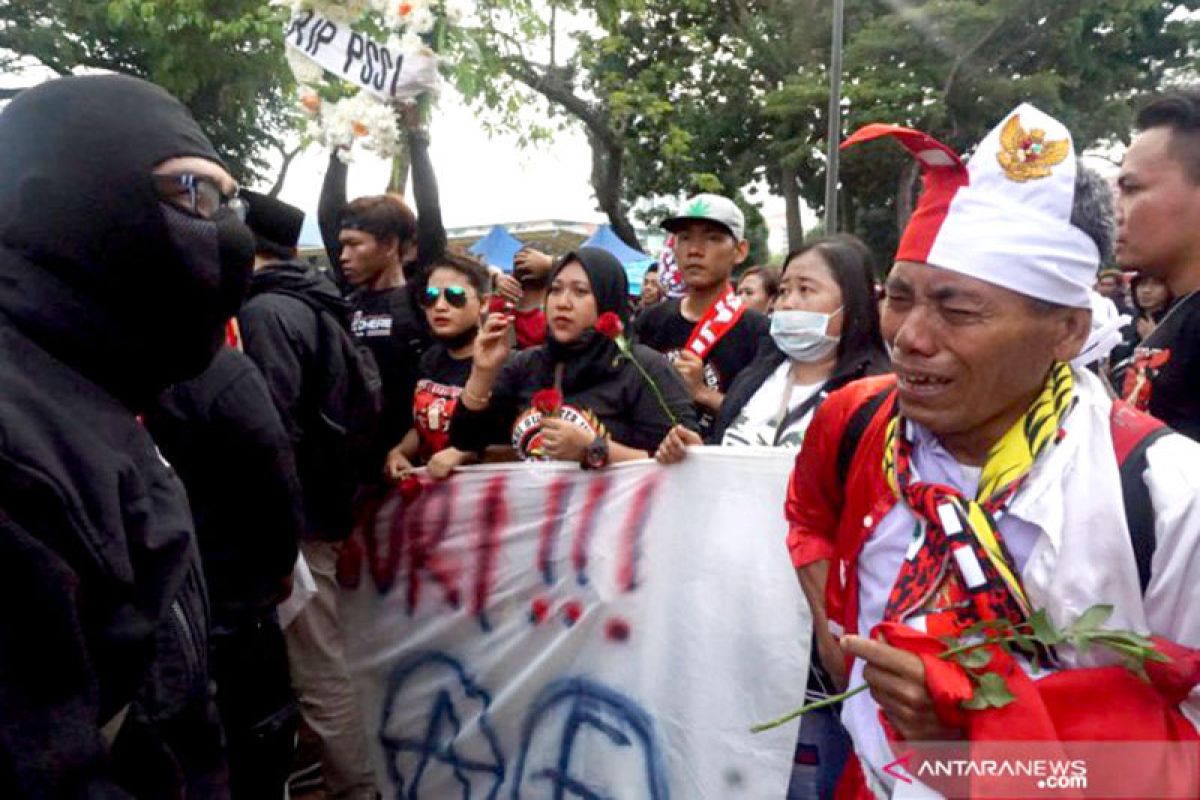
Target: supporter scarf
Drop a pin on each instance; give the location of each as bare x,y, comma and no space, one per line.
963,559
717,321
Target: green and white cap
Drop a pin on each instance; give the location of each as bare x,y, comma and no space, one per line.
710,207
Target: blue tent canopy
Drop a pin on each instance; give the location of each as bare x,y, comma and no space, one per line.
498,248
635,261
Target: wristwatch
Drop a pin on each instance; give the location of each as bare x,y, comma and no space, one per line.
595,455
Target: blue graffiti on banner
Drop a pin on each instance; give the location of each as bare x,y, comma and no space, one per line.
573,707
409,758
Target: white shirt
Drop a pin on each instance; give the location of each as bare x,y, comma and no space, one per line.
758,421
1067,534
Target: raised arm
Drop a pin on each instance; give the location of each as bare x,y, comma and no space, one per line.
431,233
329,212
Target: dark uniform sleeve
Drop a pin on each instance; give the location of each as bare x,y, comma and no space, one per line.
329,212
474,431
50,739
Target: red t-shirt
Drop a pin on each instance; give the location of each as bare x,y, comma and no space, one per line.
531,327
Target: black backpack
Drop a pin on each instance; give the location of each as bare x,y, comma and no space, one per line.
340,418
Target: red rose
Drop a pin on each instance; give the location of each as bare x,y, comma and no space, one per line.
547,402
498,305
410,488
609,325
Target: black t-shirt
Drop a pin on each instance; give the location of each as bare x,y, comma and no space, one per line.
1164,378
620,404
440,379
664,328
384,321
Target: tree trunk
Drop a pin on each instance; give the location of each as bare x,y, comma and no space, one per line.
788,179
288,157
608,178
904,193
400,167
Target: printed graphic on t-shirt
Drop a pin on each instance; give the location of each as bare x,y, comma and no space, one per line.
433,406
366,326
1139,379
527,430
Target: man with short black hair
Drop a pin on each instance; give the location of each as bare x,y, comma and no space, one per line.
381,251
1158,213
708,334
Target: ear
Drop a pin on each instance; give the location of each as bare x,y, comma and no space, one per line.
743,250
1075,324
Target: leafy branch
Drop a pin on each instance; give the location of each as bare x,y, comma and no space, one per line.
1033,639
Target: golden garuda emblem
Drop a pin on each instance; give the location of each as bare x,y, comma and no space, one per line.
1027,155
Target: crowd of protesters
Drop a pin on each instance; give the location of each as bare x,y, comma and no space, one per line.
187,406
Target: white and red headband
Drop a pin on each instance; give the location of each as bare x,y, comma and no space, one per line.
1005,217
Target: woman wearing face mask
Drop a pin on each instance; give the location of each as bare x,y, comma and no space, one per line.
453,304
825,332
605,412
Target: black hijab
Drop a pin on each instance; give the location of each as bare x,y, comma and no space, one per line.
89,267
589,359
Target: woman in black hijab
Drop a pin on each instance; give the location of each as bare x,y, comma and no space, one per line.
607,414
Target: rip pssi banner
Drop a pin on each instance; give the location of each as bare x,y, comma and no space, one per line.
380,69
534,630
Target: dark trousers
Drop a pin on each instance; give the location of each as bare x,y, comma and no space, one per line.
257,705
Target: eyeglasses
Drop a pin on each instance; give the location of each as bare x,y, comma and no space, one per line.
456,296
204,196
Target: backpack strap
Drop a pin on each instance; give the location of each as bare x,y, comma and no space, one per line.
1133,433
856,427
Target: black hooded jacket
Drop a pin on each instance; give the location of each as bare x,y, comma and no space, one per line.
299,352
99,313
592,377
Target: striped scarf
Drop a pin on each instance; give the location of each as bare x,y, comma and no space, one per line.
962,573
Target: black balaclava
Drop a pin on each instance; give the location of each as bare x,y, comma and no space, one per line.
130,291
589,358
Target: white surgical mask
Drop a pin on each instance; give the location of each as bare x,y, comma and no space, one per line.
802,336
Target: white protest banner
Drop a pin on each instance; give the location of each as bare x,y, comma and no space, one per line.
536,631
377,68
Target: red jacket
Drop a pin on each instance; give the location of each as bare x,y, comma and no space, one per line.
827,520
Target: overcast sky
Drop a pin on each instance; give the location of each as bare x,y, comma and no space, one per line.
488,179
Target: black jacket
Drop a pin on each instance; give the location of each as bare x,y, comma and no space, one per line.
100,311
756,373
222,433
621,400
299,350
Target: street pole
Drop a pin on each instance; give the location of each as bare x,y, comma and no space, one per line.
835,121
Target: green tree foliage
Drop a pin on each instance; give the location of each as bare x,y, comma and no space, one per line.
222,58
748,87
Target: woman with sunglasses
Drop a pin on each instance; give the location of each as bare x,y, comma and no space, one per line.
570,399
452,301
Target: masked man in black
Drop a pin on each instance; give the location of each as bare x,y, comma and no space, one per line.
121,256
